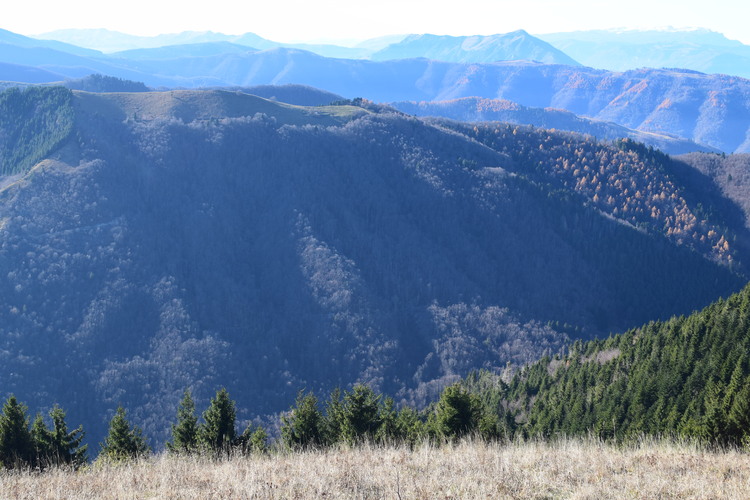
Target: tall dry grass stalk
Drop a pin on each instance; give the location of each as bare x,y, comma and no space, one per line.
469,470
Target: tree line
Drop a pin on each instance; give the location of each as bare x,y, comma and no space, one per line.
352,417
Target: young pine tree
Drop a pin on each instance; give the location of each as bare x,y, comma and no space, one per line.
253,440
57,446
41,438
362,416
303,426
185,431
333,422
67,446
16,445
389,431
410,429
217,434
123,442
458,413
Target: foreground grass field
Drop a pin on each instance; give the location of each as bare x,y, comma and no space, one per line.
565,469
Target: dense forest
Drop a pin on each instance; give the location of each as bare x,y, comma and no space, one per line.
688,376
637,184
33,123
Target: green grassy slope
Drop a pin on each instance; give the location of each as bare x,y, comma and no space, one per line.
190,105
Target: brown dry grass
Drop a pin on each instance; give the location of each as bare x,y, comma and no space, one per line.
565,469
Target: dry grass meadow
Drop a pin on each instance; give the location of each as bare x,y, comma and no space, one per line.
564,469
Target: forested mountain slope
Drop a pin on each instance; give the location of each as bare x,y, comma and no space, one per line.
687,376
628,181
208,239
727,176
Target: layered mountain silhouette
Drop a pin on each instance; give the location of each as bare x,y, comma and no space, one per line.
155,241
476,109
514,46
710,110
517,45
701,50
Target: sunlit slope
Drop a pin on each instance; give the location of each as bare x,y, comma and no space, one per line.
191,105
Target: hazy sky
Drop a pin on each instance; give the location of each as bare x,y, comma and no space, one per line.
314,20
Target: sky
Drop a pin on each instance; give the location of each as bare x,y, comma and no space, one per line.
350,20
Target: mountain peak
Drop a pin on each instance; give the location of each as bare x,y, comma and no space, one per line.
516,45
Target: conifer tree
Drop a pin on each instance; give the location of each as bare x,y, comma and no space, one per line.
302,427
388,431
41,438
16,445
65,447
185,431
123,442
333,421
458,412
259,440
253,440
362,417
217,433
739,415
409,426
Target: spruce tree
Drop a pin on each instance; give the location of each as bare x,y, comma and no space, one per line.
16,445
259,440
65,447
303,426
458,412
253,440
388,431
57,446
362,416
185,431
410,428
41,438
217,433
333,422
739,415
123,442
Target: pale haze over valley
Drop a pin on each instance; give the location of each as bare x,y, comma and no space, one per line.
349,22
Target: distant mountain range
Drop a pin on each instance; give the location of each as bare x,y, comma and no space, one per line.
476,109
112,42
517,45
710,110
699,50
514,46
152,241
